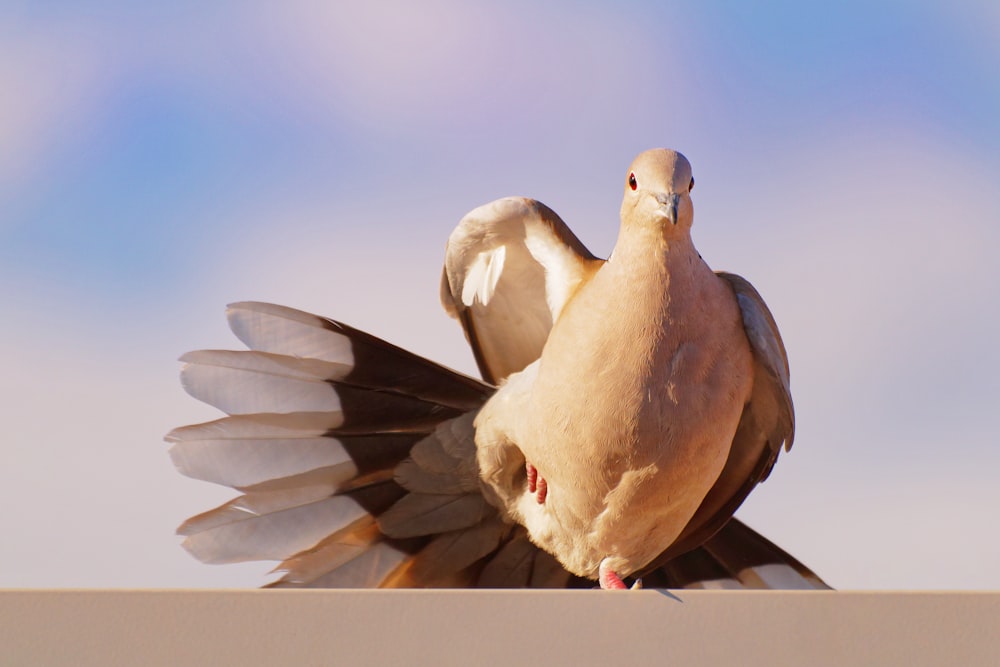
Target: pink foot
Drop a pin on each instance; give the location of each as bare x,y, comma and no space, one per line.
610,581
536,484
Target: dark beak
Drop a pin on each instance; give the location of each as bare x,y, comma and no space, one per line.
668,206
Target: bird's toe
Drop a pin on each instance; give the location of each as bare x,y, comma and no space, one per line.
536,483
609,579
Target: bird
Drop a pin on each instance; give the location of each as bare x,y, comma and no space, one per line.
626,409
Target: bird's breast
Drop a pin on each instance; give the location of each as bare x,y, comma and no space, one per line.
637,398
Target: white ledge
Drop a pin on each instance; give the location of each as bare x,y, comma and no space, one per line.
457,627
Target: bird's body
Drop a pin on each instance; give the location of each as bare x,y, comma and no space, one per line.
630,411
640,400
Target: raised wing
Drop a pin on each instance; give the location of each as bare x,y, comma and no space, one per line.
510,267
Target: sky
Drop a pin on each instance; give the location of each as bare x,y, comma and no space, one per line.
160,160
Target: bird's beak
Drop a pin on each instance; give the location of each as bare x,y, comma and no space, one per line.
668,206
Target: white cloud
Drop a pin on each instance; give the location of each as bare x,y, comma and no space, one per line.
52,79
395,65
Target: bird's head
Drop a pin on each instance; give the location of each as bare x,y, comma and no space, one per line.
658,192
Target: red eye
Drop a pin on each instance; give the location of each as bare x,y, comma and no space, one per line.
631,181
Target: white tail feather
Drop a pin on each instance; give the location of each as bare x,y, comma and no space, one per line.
270,328
331,553
244,463
247,427
250,382
251,505
275,535
774,576
725,584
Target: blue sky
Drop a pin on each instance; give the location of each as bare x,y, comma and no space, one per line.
158,162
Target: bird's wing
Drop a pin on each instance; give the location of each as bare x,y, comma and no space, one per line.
772,391
510,267
767,422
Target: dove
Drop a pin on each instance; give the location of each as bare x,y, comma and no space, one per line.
628,406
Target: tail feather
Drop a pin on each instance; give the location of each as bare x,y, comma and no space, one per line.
548,573
276,525
452,552
330,553
281,330
276,535
418,514
370,361
265,462
737,557
252,382
249,382
513,564
317,566
694,569
757,562
373,567
444,461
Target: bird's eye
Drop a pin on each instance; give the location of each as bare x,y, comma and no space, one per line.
631,181
691,187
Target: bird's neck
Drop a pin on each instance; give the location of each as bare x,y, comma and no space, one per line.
623,312
645,268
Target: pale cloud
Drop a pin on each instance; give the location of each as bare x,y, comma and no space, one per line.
979,19
53,79
393,66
